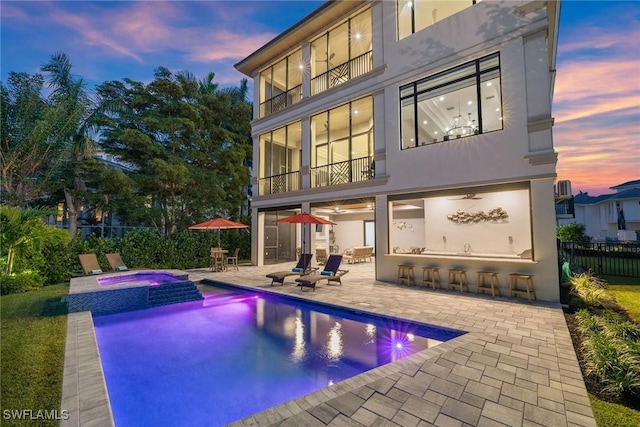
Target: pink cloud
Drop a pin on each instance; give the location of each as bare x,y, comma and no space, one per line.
90,35
597,107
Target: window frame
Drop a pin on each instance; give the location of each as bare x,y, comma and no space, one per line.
412,93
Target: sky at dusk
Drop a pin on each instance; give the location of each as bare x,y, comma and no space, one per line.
597,92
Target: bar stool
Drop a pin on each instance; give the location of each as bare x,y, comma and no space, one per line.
458,279
493,283
405,275
528,283
431,277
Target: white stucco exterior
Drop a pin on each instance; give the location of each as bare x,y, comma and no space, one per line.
521,155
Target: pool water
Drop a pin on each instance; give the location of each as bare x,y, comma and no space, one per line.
234,354
152,278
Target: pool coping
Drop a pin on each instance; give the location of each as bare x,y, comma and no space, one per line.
86,284
522,351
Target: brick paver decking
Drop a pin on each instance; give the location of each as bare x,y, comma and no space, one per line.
516,366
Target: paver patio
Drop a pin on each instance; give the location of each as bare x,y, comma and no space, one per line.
516,366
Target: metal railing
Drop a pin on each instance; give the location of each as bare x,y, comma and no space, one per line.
282,183
281,101
342,73
610,258
355,170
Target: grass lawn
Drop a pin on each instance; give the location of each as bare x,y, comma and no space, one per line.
627,293
34,326
613,415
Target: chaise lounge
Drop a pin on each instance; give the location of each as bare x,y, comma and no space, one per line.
331,273
90,264
359,254
300,269
116,263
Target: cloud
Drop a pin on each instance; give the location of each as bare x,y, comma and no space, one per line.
597,104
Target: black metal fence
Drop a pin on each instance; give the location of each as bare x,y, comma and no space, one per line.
608,258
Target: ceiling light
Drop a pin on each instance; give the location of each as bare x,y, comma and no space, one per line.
488,83
358,35
301,66
424,122
442,98
355,111
469,102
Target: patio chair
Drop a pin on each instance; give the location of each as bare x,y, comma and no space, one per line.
116,263
218,259
302,268
90,264
233,259
321,255
331,273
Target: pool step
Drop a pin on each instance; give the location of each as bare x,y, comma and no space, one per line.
173,293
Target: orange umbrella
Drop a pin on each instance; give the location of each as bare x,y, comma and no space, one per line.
305,218
218,224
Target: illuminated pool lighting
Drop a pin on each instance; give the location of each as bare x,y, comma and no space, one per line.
399,345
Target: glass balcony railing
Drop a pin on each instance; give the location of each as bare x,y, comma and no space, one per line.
342,73
282,183
355,170
281,101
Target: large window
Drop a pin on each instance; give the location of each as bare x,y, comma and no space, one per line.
281,84
457,103
342,54
414,15
485,223
342,144
280,159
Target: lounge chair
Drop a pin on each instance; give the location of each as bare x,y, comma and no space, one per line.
90,264
300,269
331,273
116,263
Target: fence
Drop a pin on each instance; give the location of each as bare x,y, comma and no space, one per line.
609,258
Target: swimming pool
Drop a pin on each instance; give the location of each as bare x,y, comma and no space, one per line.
153,278
236,353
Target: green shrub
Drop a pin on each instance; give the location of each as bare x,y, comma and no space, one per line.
23,281
573,232
592,290
58,263
611,351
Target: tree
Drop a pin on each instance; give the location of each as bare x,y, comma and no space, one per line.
23,231
573,232
69,92
33,133
185,141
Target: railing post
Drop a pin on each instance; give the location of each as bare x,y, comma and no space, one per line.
599,259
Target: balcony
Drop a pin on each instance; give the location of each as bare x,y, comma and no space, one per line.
342,73
356,170
282,183
281,101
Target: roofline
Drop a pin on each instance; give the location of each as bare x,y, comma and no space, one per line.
322,17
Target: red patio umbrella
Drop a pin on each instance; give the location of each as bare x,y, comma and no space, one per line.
218,224
305,218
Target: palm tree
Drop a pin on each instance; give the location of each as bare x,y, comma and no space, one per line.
69,91
23,231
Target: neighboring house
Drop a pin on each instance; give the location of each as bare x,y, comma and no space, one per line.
601,215
420,127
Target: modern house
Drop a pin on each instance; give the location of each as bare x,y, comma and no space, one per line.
422,128
614,216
